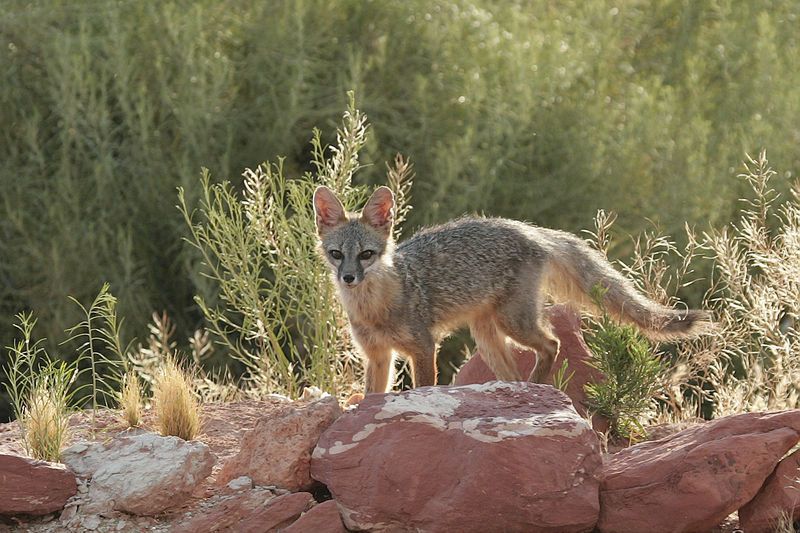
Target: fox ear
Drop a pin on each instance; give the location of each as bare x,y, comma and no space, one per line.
328,209
379,210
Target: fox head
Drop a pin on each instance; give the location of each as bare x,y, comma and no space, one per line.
353,244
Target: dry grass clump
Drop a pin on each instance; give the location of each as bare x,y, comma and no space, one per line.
176,406
130,399
785,523
45,421
40,391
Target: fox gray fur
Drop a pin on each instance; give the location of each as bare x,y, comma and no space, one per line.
491,274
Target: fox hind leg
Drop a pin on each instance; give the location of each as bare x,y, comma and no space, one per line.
521,319
546,345
493,348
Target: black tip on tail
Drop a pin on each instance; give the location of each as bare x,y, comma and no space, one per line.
688,323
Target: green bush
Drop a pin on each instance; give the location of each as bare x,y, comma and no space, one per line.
534,110
633,374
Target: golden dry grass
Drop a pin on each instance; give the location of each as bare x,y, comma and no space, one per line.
177,408
785,523
130,399
45,423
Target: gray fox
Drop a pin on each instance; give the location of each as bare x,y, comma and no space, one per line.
492,274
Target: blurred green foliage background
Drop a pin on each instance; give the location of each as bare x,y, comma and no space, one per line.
538,110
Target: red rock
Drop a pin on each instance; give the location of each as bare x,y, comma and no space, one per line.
33,487
692,480
567,327
322,518
277,451
493,457
255,511
779,497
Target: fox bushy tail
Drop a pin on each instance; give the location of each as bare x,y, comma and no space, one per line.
575,270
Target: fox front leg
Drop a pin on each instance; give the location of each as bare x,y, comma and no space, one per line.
379,369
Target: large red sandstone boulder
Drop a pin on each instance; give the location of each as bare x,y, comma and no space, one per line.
277,451
777,500
322,518
33,487
254,511
692,480
492,457
142,474
567,327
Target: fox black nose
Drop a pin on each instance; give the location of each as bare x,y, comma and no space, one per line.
348,278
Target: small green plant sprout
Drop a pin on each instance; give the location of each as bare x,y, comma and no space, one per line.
100,350
41,392
633,373
562,376
176,405
130,399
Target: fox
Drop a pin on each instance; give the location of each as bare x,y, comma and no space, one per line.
493,275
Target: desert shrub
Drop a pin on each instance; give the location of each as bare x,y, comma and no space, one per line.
752,360
757,299
101,357
662,270
147,359
536,110
44,390
647,381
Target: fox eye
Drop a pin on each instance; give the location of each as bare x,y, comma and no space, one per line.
336,254
366,254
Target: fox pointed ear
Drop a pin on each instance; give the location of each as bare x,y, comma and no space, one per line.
328,209
379,210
